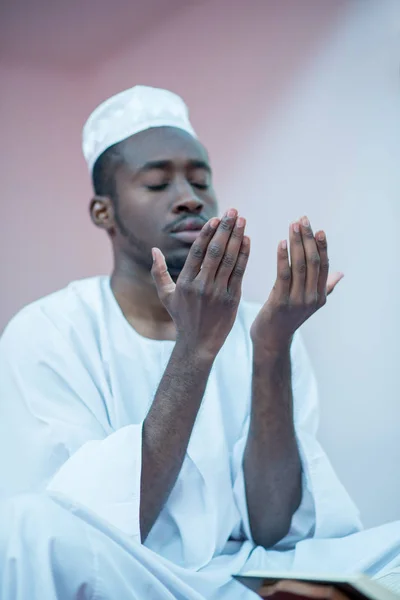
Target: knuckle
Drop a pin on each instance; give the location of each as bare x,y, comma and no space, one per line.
184,285
239,270
315,259
197,251
282,303
228,260
228,300
324,267
311,300
297,305
237,234
201,287
214,250
308,234
225,225
301,267
285,274
283,307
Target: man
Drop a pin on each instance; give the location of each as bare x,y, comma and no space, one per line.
158,434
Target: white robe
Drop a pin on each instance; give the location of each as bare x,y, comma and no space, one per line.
76,382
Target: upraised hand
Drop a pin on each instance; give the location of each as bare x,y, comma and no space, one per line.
301,288
204,301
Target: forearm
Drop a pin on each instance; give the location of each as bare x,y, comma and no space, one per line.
167,429
272,466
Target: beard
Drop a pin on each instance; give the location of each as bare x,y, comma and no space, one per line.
140,252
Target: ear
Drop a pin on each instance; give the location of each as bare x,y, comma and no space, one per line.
102,212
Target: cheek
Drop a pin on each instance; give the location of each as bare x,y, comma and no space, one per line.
139,213
211,202
132,206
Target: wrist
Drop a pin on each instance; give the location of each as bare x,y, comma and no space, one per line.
199,355
270,350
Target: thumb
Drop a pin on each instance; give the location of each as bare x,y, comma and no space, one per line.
164,283
332,282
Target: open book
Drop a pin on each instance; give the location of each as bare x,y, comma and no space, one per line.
357,587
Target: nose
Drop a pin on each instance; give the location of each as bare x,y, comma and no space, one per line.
187,201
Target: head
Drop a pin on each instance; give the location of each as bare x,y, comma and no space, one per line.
148,186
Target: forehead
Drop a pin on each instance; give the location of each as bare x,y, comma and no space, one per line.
162,144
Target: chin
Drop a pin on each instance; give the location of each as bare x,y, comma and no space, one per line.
175,262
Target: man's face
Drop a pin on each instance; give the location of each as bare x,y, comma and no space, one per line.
164,196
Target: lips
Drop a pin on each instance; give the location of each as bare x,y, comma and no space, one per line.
189,224
188,230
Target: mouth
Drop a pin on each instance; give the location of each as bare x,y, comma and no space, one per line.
188,230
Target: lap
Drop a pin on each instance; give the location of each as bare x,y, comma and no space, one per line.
47,551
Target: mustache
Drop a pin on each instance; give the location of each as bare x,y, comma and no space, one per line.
185,217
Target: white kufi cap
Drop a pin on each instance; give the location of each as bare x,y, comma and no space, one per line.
129,112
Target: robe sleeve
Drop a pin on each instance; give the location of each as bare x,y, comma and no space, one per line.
55,431
326,509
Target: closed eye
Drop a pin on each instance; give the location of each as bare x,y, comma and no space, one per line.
200,186
157,188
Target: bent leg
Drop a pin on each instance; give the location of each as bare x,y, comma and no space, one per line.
49,552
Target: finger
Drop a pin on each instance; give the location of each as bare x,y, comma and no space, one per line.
297,263
231,254
236,278
163,280
198,249
322,245
312,261
216,247
284,273
332,282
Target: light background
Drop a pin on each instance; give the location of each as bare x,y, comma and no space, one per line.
298,103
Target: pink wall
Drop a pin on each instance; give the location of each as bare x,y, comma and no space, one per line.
228,60
45,234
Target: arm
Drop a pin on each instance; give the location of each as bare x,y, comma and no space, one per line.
167,429
203,305
300,290
55,431
272,450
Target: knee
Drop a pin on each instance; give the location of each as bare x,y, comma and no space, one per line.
26,506
39,536
27,516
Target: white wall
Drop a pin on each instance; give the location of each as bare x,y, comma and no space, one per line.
333,152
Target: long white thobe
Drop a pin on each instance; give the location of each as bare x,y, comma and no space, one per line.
76,384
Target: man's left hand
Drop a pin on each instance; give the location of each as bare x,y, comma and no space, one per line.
301,288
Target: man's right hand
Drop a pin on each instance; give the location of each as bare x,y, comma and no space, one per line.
204,301
203,305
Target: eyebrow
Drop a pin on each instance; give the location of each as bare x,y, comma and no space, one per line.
167,164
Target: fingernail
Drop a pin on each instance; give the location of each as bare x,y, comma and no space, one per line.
296,227
153,253
231,213
214,223
240,223
321,236
305,222
283,244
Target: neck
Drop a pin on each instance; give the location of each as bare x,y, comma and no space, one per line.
136,294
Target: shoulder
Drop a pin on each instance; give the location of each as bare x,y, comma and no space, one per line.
59,311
